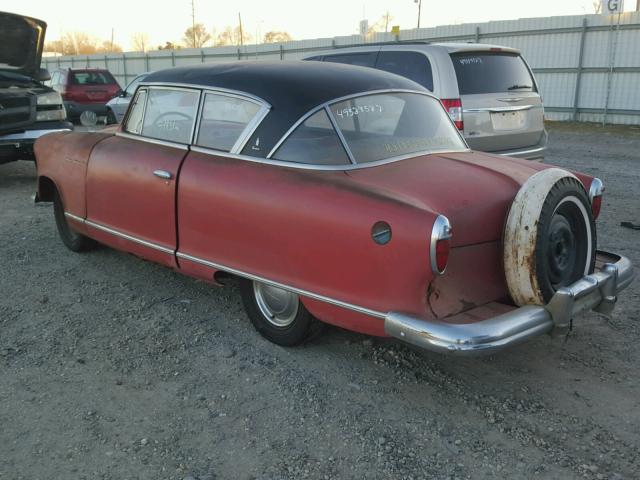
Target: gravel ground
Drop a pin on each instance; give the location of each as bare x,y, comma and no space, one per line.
115,368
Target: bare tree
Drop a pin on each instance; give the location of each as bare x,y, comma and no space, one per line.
140,42
277,37
232,36
80,43
381,25
196,36
169,46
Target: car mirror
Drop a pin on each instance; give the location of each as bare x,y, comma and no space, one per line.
43,75
123,94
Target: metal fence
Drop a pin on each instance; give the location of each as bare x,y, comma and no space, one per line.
588,67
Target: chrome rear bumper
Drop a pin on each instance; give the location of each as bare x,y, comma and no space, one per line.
597,291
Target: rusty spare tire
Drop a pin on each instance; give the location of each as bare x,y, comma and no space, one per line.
549,237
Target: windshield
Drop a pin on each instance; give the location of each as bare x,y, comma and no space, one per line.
491,72
92,77
385,125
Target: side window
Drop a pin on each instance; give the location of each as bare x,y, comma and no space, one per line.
364,59
224,118
170,114
413,65
136,111
314,142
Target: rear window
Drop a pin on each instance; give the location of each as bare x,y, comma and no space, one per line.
91,78
413,65
487,72
380,126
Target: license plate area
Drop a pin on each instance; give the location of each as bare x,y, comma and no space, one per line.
502,121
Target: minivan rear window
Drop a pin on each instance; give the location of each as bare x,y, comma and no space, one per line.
413,65
91,78
491,72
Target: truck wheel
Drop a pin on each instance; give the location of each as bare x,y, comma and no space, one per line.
73,240
550,237
278,315
111,117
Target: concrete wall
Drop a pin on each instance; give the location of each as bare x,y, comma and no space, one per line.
588,67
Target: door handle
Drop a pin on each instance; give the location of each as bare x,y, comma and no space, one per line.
162,174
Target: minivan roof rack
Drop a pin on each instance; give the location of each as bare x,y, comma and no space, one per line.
390,42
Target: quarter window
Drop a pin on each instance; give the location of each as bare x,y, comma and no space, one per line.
224,118
136,111
364,59
314,142
170,114
412,65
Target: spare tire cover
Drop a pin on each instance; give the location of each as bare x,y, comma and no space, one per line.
549,237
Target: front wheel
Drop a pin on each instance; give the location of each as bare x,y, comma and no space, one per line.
73,240
277,314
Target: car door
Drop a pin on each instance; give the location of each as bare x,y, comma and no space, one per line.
131,177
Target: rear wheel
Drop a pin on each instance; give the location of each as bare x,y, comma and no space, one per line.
73,240
277,314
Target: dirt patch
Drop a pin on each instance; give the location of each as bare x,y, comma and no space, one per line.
115,368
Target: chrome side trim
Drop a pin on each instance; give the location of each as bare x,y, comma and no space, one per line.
74,217
498,109
117,233
308,166
155,141
289,288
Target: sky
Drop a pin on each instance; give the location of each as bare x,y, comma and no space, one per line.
167,20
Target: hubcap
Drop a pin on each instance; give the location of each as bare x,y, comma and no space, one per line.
279,306
561,251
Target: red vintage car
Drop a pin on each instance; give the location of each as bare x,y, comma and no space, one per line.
336,194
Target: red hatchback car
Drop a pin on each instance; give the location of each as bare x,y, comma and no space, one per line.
85,89
339,194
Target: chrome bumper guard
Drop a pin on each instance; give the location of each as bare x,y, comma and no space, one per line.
597,291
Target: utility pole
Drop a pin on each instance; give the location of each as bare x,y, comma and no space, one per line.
193,23
419,2
240,22
386,21
111,49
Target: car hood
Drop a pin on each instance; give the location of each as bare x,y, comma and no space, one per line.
472,189
21,44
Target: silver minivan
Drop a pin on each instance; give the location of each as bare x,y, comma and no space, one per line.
489,90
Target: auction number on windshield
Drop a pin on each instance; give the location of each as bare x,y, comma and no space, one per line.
359,110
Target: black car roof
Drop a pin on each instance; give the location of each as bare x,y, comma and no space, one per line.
292,88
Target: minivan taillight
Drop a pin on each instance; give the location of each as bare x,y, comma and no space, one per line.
453,106
440,247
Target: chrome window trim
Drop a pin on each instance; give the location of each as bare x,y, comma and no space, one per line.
125,120
250,129
119,234
210,88
289,288
155,141
316,167
356,95
337,130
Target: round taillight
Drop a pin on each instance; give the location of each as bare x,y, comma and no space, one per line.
595,196
440,244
